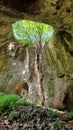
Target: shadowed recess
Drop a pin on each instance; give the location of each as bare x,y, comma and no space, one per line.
21,5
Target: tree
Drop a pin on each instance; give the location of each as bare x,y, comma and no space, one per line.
35,35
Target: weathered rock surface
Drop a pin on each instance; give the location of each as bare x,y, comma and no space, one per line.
57,63
58,13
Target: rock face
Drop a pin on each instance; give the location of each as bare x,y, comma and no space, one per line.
60,66
21,88
50,79
57,13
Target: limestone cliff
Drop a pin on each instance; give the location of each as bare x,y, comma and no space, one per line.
58,53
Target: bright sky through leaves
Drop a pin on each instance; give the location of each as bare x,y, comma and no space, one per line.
30,32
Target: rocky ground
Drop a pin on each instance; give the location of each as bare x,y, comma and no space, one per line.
30,117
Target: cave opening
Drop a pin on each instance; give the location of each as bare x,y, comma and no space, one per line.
68,100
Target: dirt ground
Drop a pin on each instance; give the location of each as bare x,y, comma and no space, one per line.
30,117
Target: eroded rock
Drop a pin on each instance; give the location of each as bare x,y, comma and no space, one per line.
15,66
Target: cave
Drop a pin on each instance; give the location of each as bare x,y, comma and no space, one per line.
59,52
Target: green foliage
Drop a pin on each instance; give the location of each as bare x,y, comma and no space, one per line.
70,113
22,101
12,115
29,32
2,94
56,124
53,113
63,128
8,102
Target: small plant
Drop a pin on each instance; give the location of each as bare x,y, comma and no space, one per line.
56,125
22,117
32,128
63,128
53,113
70,113
12,115
22,101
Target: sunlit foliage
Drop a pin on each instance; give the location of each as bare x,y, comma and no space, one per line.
29,32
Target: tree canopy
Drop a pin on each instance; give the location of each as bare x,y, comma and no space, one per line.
30,32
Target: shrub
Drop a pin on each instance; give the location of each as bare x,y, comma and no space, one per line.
8,102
